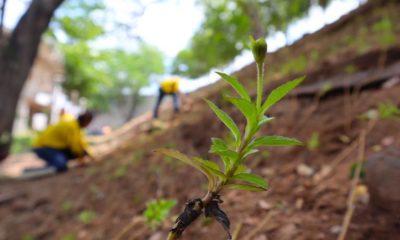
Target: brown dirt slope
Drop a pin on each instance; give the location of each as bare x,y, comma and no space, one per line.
296,207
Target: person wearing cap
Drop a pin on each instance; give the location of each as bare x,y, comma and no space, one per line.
169,86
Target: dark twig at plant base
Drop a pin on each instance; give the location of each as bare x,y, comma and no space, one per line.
194,208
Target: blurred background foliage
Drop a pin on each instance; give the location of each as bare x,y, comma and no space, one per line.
227,25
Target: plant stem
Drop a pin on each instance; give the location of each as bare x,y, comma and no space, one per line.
260,76
240,150
208,197
172,236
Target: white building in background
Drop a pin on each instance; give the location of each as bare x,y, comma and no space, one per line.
42,98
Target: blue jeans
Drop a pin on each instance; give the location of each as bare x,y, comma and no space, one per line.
54,157
161,96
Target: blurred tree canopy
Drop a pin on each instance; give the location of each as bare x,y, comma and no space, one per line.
106,75
226,27
77,24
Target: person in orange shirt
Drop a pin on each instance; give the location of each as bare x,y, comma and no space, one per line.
170,87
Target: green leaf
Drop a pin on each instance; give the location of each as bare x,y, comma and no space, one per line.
274,141
249,152
264,120
236,85
279,92
244,187
227,120
248,110
218,145
211,167
241,169
228,162
87,216
192,162
252,178
180,156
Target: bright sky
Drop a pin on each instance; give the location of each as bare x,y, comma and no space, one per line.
169,25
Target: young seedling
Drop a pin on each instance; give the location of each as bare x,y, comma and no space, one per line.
234,174
157,211
87,216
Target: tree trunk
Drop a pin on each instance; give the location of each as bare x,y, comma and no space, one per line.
134,103
2,13
16,59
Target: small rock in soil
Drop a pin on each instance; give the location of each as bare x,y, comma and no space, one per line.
261,237
383,177
304,170
287,232
156,236
391,82
264,205
321,236
82,234
325,170
299,203
387,141
336,229
377,148
361,194
267,172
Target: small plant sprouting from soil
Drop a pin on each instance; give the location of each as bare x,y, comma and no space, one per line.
157,211
120,172
67,205
87,216
69,237
234,174
385,110
28,237
388,110
313,141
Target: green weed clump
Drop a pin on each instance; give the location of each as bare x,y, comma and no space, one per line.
87,216
233,152
388,110
313,141
157,211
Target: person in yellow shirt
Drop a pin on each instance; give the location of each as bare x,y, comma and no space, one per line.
169,86
63,141
64,115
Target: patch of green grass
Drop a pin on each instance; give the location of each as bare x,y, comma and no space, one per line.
294,65
350,69
91,170
28,236
94,188
384,29
313,141
157,211
69,237
348,40
137,199
137,156
87,216
353,170
120,172
315,56
67,205
21,144
388,110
